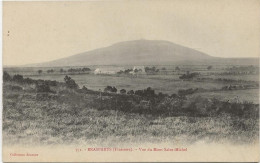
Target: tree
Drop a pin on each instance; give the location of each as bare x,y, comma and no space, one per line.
123,91
114,89
61,70
131,92
86,69
149,92
164,68
108,89
39,71
50,71
177,68
70,83
151,70
209,67
6,76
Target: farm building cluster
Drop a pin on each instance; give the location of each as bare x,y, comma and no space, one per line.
120,70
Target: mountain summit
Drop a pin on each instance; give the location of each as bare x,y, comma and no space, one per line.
138,52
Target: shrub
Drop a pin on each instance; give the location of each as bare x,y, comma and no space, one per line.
43,88
86,69
6,76
18,78
123,91
16,88
162,95
139,92
51,83
70,83
177,68
28,81
50,71
209,67
189,75
39,71
110,89
131,92
151,70
149,92
114,89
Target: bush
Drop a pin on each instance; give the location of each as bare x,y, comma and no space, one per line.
43,88
209,67
70,83
16,88
28,81
6,76
18,78
110,89
86,69
177,68
139,92
123,91
39,71
114,89
131,92
189,76
149,92
51,83
151,70
50,71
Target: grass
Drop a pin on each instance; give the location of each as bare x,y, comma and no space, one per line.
160,83
28,119
250,95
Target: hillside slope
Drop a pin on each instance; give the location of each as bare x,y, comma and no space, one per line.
138,52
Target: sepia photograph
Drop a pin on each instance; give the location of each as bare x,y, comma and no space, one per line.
131,81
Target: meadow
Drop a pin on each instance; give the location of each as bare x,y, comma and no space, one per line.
71,118
56,113
166,81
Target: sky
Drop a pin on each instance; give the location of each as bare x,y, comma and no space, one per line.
35,32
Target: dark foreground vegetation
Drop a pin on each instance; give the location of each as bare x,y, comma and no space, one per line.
52,112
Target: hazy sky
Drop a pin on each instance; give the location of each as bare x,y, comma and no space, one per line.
44,31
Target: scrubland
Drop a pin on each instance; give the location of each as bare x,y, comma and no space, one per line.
63,115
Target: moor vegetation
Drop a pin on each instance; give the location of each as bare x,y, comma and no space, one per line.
51,112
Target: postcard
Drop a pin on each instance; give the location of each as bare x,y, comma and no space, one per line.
131,81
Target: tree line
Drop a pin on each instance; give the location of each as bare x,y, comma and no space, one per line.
71,70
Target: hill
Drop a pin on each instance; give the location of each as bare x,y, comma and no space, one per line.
139,52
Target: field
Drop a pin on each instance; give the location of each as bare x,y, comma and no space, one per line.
166,81
64,115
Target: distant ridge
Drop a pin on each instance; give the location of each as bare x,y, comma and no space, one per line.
137,52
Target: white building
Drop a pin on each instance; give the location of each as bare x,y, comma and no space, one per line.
109,70
139,69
